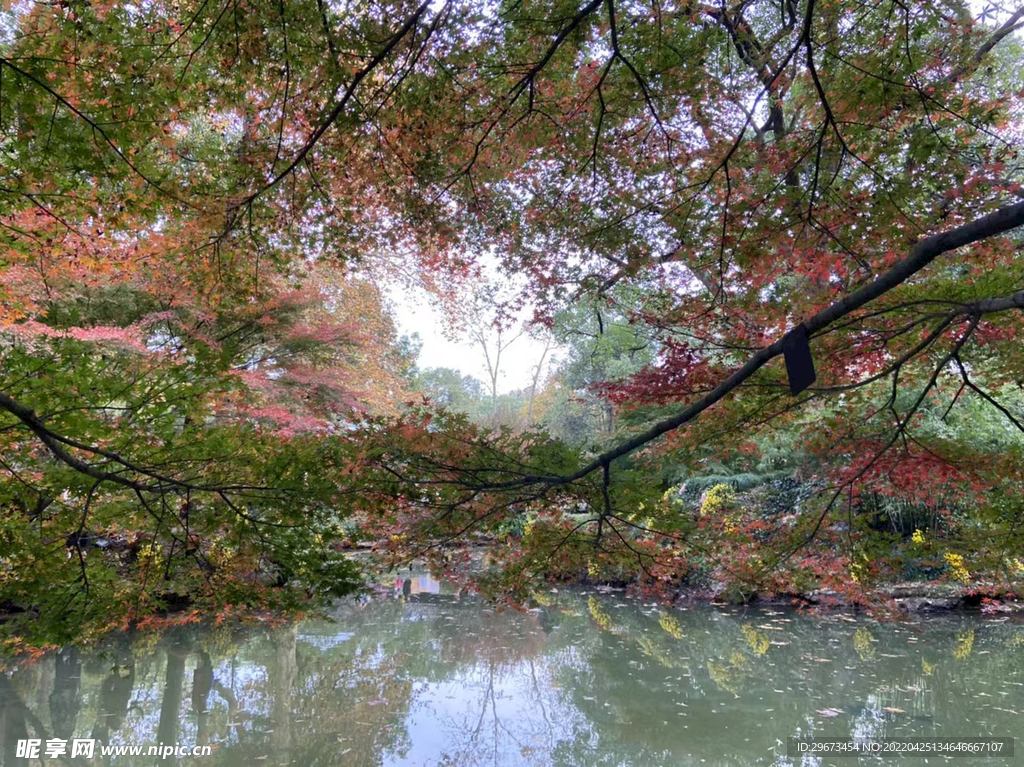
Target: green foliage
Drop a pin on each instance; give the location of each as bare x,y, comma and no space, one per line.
696,486
199,372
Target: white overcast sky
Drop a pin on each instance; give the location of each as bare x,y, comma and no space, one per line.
415,311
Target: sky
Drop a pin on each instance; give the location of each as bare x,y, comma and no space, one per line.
415,311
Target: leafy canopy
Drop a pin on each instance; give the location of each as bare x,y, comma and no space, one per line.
198,202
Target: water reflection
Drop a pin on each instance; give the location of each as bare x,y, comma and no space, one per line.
421,676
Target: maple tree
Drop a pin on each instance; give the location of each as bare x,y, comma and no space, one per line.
170,364
748,168
193,195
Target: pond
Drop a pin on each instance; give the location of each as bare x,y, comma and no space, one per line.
420,675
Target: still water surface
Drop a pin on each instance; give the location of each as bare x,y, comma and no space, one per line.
421,676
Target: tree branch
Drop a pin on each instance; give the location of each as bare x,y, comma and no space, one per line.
922,254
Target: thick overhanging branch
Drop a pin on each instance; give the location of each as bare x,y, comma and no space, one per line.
131,475
923,253
141,479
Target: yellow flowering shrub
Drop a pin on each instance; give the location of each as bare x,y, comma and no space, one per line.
958,568
718,503
717,499
150,558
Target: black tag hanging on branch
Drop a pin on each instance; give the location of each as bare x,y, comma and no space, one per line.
799,366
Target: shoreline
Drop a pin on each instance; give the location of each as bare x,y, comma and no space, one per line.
906,598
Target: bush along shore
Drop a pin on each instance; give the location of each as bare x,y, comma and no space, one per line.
743,539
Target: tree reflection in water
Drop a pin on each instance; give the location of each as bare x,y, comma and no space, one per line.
425,677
